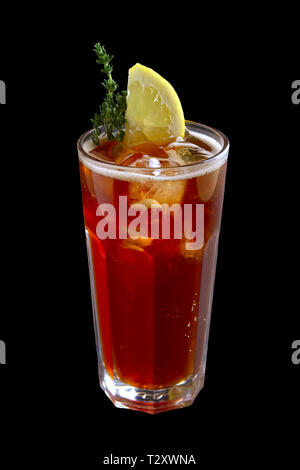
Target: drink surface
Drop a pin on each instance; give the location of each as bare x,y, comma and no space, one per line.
153,296
153,159
146,154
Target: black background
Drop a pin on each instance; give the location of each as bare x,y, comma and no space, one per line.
52,409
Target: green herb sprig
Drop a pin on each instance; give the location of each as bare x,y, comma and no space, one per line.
112,111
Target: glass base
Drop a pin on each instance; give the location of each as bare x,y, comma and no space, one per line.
151,401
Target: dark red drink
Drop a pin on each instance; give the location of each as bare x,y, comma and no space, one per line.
152,295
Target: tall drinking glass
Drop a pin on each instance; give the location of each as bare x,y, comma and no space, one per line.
152,238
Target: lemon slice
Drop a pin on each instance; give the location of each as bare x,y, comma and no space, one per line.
154,111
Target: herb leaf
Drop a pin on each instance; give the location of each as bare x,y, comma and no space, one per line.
111,113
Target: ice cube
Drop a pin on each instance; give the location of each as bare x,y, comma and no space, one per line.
187,152
104,188
175,157
147,202
99,186
86,177
192,155
164,192
140,160
150,149
191,256
206,185
153,162
138,244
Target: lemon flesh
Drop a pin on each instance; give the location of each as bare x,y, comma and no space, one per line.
154,111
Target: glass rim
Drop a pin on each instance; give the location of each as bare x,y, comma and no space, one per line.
222,153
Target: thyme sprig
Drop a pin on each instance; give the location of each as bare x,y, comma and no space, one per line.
112,111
